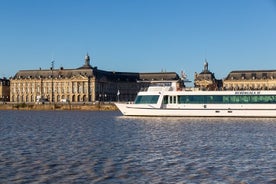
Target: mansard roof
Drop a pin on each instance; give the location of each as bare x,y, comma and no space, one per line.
134,77
100,75
158,76
206,72
56,73
251,75
207,75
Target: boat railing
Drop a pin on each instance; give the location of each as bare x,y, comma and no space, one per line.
157,88
190,89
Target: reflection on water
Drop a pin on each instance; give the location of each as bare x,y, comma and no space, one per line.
104,147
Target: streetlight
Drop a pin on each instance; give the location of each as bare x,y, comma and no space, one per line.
118,95
100,98
52,68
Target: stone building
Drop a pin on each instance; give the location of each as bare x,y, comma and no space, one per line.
4,90
206,80
250,80
83,84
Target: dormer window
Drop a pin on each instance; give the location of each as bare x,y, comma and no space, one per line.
253,76
264,75
243,76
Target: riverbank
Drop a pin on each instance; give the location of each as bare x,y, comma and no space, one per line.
65,106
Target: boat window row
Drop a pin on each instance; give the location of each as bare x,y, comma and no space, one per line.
218,99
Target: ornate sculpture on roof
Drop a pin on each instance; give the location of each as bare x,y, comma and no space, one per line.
86,63
87,60
205,66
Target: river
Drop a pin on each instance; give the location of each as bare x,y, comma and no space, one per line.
105,147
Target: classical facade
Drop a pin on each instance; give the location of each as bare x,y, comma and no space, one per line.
89,84
250,80
84,84
4,90
206,80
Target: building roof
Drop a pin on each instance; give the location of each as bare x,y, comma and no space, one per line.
251,74
4,82
116,76
85,70
158,76
88,71
94,72
56,73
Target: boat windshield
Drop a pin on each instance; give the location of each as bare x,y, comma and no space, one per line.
146,99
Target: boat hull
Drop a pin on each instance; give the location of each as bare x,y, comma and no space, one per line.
218,110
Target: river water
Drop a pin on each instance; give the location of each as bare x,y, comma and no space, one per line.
105,147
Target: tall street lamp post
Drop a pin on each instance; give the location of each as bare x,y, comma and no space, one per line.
52,68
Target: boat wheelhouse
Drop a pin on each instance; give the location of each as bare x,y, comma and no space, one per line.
171,98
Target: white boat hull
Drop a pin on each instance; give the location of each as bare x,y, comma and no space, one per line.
199,110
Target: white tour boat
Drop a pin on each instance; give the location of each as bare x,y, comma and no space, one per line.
165,98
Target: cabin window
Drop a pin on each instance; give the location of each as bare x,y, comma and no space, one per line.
216,99
183,99
165,100
225,99
146,99
198,99
253,99
244,99
172,99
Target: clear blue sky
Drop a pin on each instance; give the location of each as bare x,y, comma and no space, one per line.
138,35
